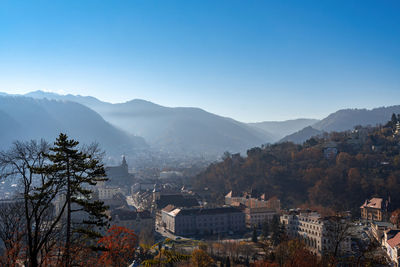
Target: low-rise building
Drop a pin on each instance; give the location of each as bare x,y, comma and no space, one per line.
134,220
108,192
203,221
378,229
253,202
391,242
255,217
142,186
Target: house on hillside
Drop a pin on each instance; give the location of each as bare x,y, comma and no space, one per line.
374,209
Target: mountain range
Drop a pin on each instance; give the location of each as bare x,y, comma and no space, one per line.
178,130
280,129
140,124
25,118
342,120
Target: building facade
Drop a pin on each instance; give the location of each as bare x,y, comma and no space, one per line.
134,220
253,202
255,217
378,229
374,209
203,221
319,234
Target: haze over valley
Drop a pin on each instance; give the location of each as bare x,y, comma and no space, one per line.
138,125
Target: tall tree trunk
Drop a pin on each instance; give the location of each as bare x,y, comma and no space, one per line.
33,259
68,237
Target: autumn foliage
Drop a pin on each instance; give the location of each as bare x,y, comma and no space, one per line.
338,170
200,258
395,217
119,245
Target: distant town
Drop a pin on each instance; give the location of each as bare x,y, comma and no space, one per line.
171,216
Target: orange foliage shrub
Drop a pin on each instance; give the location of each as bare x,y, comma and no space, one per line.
119,245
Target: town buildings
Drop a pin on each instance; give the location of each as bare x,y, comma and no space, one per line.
119,175
108,192
320,234
255,217
378,230
253,202
202,221
257,210
134,220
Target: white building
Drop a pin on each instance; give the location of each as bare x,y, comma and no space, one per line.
391,242
319,234
107,192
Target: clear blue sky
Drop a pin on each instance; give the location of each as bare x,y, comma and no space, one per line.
249,60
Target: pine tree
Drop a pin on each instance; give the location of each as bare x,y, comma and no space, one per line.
228,262
254,236
394,119
277,230
77,171
265,229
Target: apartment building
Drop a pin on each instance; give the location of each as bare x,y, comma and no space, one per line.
320,234
202,221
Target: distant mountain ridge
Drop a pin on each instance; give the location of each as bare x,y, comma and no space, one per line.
344,119
175,130
280,129
188,130
25,118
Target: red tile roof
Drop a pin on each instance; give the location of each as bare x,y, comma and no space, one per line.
169,208
395,241
373,203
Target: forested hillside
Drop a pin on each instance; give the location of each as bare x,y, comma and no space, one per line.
339,170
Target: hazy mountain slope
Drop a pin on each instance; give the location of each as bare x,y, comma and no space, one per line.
10,129
301,136
25,118
345,119
183,130
280,129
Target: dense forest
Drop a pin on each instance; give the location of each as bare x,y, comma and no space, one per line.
338,170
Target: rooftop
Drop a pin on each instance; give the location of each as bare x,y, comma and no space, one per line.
177,200
204,211
375,203
124,214
395,240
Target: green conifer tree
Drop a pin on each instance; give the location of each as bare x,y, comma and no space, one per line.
77,171
254,236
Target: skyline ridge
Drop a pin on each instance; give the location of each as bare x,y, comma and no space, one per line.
54,93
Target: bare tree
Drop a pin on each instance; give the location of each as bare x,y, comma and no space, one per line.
337,235
12,225
38,190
